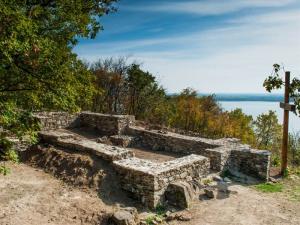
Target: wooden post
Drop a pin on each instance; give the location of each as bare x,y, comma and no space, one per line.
284,149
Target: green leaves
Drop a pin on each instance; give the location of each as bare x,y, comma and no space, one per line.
275,82
37,67
268,131
16,126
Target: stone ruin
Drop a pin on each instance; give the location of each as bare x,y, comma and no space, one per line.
146,180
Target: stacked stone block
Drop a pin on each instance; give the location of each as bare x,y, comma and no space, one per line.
56,120
71,142
252,162
148,181
106,124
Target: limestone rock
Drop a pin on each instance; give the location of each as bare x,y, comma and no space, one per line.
183,216
103,140
217,178
125,216
180,194
209,192
227,180
122,140
180,216
223,187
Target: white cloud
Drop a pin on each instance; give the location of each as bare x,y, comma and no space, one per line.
210,7
235,58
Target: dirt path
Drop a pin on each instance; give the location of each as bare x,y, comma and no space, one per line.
31,196
246,207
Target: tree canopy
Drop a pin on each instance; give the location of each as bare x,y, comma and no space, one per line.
38,69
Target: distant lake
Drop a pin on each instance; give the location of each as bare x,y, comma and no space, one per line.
256,107
255,104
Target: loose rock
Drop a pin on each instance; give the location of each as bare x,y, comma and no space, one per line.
223,187
125,216
217,178
209,193
227,180
180,194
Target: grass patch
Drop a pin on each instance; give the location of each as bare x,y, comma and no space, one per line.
207,181
150,220
269,188
295,194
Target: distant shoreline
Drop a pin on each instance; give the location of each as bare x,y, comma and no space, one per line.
244,97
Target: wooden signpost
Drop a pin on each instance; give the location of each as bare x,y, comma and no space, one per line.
287,108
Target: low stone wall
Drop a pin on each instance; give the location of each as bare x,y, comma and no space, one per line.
106,124
223,153
70,141
148,181
182,144
254,163
57,120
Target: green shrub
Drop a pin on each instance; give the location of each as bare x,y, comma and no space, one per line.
12,155
4,170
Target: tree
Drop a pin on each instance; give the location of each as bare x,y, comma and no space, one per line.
188,110
38,69
37,66
110,84
144,93
239,125
268,131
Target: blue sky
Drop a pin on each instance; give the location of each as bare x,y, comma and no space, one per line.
213,46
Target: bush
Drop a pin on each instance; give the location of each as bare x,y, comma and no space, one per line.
12,155
4,170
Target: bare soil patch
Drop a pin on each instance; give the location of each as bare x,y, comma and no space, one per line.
30,196
154,156
80,170
245,207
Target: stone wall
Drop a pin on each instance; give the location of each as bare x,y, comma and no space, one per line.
56,120
148,181
72,142
254,163
106,124
223,153
182,144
